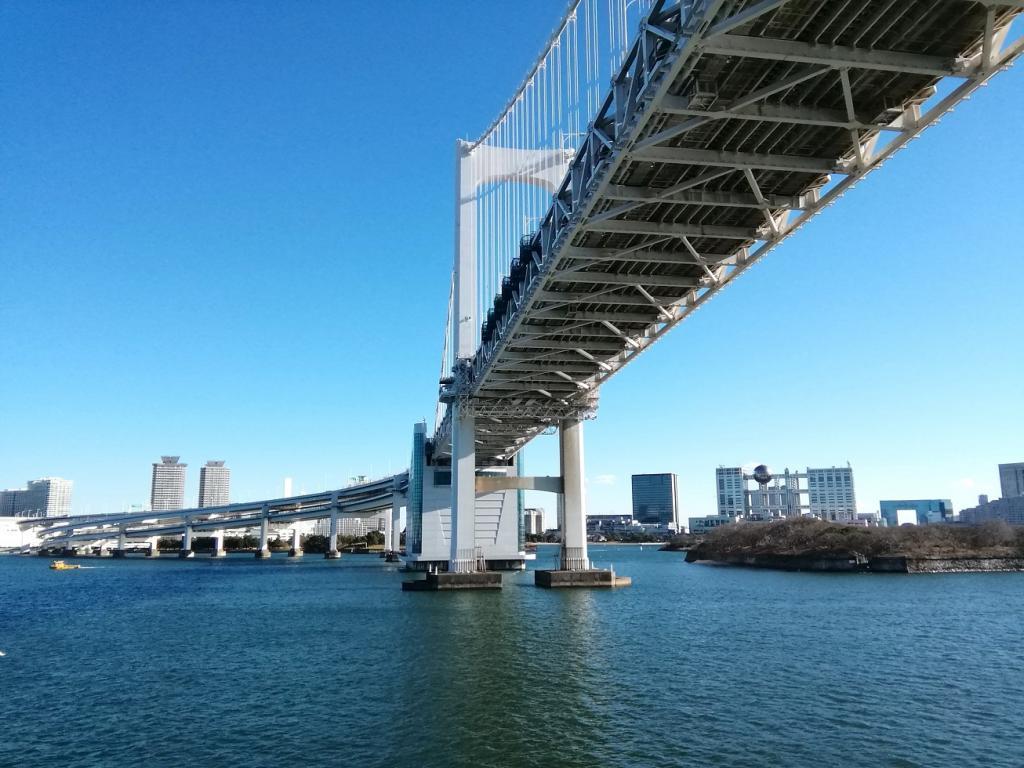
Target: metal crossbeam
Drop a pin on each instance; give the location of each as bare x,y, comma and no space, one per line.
643,257
682,156
675,230
835,56
774,113
611,278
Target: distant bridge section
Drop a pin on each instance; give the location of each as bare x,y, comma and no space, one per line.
355,500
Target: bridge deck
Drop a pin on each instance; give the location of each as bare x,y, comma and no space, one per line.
725,131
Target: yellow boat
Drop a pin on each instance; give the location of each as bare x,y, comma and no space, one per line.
60,565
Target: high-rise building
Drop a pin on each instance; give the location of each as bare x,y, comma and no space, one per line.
45,497
830,492
168,489
655,500
1011,479
214,484
533,521
732,491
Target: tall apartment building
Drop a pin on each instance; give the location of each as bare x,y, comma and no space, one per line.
1011,479
533,521
732,491
45,497
168,489
214,484
656,500
830,493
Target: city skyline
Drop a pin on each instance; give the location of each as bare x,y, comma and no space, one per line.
914,405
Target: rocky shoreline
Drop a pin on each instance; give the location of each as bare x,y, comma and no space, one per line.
803,544
881,564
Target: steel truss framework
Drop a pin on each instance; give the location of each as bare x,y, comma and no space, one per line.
729,126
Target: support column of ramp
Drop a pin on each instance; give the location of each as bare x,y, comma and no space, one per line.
332,552
218,544
186,543
122,544
264,548
296,550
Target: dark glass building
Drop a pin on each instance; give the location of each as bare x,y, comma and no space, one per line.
655,500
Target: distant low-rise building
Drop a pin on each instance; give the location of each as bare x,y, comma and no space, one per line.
598,525
45,497
916,511
701,525
1009,510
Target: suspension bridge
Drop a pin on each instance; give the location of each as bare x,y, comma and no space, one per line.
653,153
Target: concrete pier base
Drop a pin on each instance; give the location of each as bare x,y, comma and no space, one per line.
262,553
593,577
295,553
186,554
119,553
332,555
219,553
438,582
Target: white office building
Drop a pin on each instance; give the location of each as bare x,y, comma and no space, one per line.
830,494
168,489
732,491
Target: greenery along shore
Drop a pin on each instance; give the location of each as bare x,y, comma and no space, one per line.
812,538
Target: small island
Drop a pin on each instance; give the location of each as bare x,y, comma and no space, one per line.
808,544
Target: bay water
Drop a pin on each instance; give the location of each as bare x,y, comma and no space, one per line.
308,662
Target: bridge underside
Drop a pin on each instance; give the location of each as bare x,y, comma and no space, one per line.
724,133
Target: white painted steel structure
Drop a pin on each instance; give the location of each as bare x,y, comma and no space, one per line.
727,127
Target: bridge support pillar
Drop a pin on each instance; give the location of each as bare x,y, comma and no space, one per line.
462,558
218,544
186,543
575,569
154,551
332,537
574,506
296,550
264,550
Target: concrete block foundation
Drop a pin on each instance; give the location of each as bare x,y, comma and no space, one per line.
443,582
594,577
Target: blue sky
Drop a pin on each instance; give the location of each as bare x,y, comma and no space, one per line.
226,233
